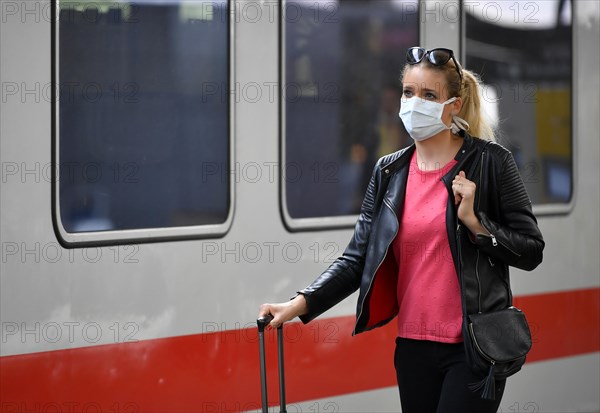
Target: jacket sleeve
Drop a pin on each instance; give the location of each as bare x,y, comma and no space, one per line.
517,241
343,276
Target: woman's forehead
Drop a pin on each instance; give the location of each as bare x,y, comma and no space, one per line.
420,77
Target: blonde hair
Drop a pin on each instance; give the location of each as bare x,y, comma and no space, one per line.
469,90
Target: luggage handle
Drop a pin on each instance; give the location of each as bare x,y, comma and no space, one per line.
263,322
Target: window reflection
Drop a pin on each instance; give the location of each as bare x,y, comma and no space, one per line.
342,61
523,51
143,117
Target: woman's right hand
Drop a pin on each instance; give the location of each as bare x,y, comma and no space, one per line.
283,312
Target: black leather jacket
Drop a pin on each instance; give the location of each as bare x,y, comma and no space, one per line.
501,204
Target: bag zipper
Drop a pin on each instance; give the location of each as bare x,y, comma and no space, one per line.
480,351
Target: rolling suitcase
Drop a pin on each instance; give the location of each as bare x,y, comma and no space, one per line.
263,322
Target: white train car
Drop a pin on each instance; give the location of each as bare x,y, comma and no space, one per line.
168,166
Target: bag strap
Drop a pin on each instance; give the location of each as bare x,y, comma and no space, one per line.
470,175
475,164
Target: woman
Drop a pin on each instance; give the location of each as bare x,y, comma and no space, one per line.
451,204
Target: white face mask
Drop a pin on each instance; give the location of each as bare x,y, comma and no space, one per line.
423,118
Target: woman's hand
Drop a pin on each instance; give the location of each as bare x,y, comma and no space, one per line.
283,312
464,197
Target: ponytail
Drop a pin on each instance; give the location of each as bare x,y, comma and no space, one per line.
471,110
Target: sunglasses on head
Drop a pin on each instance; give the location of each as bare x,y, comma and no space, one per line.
437,57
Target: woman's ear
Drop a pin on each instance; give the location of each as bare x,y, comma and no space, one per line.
457,106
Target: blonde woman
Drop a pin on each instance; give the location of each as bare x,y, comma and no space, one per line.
453,203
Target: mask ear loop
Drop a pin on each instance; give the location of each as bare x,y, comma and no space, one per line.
458,124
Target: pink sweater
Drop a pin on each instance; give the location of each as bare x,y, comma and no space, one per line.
428,291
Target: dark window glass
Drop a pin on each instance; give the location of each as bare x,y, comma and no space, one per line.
143,114
342,97
522,49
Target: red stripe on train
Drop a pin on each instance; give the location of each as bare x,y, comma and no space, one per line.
218,372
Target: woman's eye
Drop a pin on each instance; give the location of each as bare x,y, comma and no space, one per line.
430,96
407,93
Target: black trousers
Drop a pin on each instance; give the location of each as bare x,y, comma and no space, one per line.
433,378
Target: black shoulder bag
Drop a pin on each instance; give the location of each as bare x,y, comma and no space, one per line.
497,342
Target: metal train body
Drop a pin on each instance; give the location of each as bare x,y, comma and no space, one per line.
163,320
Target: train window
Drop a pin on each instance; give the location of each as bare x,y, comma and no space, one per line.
340,101
142,118
522,49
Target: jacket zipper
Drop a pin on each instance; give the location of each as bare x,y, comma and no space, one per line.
362,304
492,236
476,268
495,242
478,283
458,250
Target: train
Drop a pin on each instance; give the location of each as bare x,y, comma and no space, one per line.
168,166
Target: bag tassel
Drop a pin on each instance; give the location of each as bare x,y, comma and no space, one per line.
488,384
